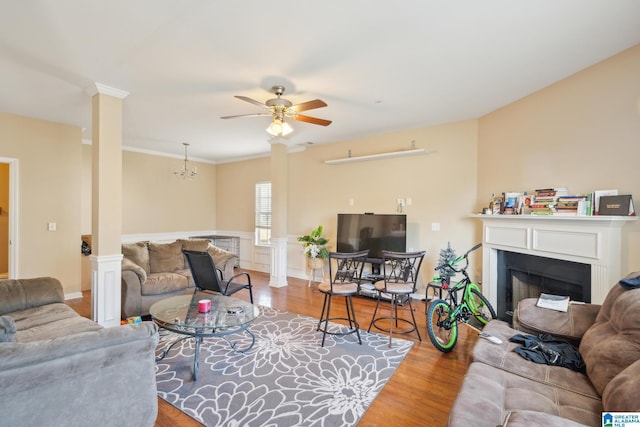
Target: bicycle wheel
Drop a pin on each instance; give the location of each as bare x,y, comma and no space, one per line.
480,307
443,330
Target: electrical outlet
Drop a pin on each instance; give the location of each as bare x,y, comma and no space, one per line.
51,226
400,202
435,226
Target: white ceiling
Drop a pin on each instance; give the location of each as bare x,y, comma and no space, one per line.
381,66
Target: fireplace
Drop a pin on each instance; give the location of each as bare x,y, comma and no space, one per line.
594,241
526,276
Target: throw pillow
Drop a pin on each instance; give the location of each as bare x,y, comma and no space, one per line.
7,329
165,257
138,253
199,245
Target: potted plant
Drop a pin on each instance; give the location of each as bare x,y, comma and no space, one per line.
314,248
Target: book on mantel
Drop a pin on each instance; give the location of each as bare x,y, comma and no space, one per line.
553,302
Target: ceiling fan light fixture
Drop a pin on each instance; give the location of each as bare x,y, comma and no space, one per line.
279,128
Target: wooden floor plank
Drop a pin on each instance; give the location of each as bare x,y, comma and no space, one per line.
421,391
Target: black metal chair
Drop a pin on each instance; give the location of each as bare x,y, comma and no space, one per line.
345,270
400,271
209,278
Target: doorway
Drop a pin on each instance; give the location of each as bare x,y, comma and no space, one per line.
8,217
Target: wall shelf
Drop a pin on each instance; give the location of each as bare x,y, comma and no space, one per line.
391,154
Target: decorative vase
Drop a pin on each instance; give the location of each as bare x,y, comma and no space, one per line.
315,263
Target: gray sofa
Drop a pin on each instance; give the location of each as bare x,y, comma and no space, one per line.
60,369
154,271
501,388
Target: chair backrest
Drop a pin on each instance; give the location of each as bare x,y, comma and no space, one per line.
203,270
346,267
402,267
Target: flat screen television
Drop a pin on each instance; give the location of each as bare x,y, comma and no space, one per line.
376,232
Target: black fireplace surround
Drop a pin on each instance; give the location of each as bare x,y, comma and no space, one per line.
539,274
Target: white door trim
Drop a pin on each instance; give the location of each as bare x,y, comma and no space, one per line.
13,215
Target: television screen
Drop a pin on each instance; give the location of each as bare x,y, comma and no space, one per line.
376,232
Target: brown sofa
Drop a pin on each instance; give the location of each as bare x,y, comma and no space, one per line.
501,388
154,271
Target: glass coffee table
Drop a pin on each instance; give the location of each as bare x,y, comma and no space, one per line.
226,316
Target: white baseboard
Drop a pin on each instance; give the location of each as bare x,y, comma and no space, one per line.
73,295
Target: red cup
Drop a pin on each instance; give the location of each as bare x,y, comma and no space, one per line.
204,305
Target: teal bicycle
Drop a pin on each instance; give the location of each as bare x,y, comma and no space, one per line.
444,314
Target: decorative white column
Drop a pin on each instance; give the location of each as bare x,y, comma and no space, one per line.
278,277
279,184
106,289
106,193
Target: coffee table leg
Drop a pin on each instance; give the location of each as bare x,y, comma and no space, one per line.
196,358
234,346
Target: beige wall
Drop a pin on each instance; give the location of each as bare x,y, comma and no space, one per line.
440,184
49,163
4,218
154,200
582,133
235,201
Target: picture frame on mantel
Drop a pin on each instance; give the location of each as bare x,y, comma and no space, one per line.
620,205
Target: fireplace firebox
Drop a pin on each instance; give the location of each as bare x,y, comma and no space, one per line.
526,276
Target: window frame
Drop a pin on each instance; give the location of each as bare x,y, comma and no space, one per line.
262,219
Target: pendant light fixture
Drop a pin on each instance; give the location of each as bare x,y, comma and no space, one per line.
185,172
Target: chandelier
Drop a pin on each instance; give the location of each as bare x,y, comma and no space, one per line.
185,172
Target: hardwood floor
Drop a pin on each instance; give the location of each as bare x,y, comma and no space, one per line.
421,391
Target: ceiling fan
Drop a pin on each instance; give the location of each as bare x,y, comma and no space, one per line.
281,108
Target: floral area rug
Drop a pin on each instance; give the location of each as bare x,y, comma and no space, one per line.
285,379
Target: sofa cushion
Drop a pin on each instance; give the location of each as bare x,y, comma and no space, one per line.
488,394
613,342
187,273
50,321
160,283
621,394
200,245
138,253
7,329
570,325
534,418
165,257
503,357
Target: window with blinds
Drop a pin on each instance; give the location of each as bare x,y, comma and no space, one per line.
263,213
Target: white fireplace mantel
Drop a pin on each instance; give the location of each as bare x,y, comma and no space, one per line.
593,240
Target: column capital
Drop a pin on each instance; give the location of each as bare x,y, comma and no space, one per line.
97,88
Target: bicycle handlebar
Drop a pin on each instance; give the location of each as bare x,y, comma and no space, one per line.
457,260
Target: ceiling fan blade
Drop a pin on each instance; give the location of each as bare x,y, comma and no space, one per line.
246,115
314,120
252,101
309,105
